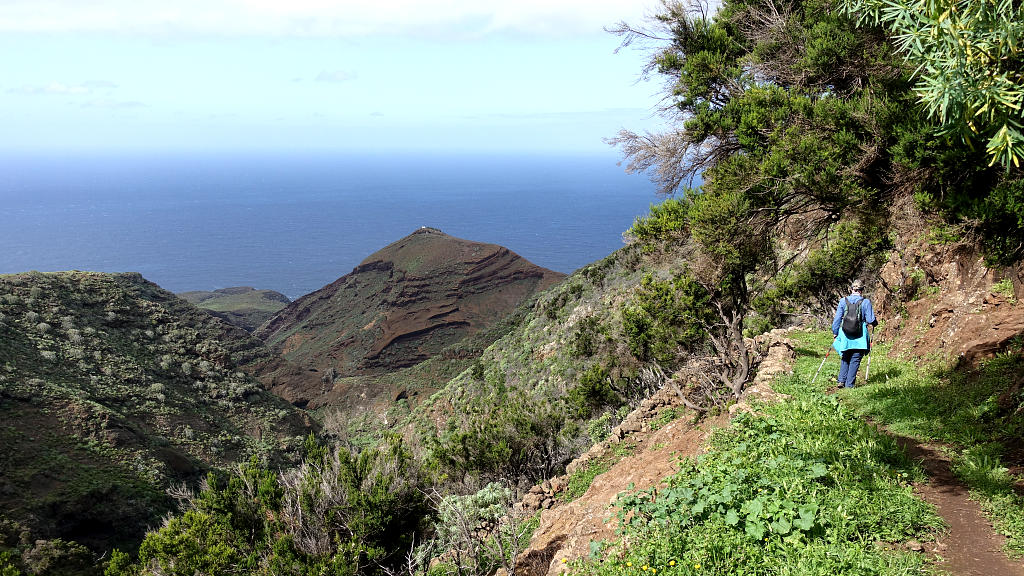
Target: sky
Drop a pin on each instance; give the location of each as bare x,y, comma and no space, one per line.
459,75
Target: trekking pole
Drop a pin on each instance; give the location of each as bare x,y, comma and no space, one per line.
867,371
822,364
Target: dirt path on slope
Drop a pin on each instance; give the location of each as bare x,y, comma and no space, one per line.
972,547
565,531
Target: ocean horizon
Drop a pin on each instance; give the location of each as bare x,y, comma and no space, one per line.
294,222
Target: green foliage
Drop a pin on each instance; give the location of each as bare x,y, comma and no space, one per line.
479,533
503,433
804,484
824,276
120,563
593,392
1001,214
967,56
664,417
1005,288
342,512
7,564
562,295
580,480
793,114
55,557
664,317
975,411
665,221
1006,509
586,338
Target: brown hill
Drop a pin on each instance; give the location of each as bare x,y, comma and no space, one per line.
410,302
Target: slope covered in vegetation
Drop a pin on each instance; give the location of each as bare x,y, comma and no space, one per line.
242,306
802,484
112,389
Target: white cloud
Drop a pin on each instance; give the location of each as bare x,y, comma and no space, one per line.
58,88
441,18
61,88
115,104
335,76
98,84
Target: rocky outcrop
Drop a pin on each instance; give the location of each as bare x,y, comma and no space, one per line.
407,303
939,299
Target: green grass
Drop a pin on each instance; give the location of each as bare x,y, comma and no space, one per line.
971,411
580,481
804,487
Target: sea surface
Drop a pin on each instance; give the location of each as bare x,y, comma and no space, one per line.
294,222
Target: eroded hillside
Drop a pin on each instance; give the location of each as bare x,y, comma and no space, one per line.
412,302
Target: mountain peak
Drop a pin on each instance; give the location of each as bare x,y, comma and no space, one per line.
402,305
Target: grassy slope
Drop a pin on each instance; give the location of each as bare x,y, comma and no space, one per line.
110,389
246,308
805,487
968,410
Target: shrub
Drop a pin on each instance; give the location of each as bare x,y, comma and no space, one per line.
340,512
592,392
480,532
584,340
823,277
665,221
504,433
665,317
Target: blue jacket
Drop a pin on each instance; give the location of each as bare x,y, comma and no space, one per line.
842,342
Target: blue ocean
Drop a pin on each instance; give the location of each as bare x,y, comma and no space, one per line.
294,222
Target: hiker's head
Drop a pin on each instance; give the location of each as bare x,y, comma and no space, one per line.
857,286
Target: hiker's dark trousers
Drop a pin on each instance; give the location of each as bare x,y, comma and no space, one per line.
848,365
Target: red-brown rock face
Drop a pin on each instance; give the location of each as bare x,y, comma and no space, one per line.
401,306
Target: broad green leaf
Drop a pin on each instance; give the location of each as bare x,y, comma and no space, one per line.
732,518
818,470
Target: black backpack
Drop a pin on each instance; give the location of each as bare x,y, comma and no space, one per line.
853,319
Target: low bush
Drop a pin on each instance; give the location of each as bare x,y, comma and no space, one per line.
593,392
664,318
340,512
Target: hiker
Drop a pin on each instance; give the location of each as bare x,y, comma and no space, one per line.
850,328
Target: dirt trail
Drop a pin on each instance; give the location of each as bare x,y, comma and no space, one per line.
565,532
972,547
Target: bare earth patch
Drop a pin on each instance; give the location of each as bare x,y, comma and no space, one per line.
566,531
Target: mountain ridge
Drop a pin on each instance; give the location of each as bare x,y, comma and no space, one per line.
401,306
